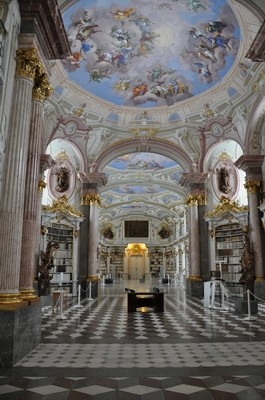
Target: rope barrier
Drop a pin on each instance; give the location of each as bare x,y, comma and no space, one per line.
258,298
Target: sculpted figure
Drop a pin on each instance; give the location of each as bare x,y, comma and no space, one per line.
46,263
224,180
247,264
62,180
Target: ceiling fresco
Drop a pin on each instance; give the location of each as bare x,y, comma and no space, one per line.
142,161
150,53
142,181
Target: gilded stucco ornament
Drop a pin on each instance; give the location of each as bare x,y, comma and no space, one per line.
41,185
144,132
196,200
61,205
42,88
225,206
251,186
90,199
27,61
259,83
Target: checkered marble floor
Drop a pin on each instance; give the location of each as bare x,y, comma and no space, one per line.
96,350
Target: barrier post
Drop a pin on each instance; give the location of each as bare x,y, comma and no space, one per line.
249,318
78,305
90,291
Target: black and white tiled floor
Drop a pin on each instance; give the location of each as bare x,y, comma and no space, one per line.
99,351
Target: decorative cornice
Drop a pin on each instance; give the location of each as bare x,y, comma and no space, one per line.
43,18
46,162
257,49
61,205
251,165
226,206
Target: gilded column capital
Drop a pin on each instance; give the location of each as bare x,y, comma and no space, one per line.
196,200
27,60
90,199
252,185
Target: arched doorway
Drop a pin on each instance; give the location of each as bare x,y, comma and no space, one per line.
136,264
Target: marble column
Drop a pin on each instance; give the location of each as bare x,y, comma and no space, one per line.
252,165
254,227
90,203
31,228
194,183
12,202
195,272
108,261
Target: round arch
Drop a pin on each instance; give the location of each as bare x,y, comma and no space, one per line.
160,147
255,128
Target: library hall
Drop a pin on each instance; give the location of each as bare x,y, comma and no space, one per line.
132,206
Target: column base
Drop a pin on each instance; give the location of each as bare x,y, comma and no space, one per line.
194,287
10,300
28,294
93,293
20,332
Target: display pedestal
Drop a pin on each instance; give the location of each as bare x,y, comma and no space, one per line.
20,332
152,300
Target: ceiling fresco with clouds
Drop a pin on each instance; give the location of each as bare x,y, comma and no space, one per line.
150,53
142,181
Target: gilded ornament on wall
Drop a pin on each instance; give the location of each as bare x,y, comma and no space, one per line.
226,205
61,205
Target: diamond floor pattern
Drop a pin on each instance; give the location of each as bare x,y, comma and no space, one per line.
102,352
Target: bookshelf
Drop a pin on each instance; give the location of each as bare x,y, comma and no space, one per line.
62,272
229,247
156,263
60,223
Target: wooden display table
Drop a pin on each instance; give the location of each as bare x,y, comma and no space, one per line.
56,301
152,300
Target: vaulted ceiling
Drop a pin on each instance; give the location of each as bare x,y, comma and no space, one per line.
144,76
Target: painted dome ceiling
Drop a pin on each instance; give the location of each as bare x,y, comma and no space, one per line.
150,53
